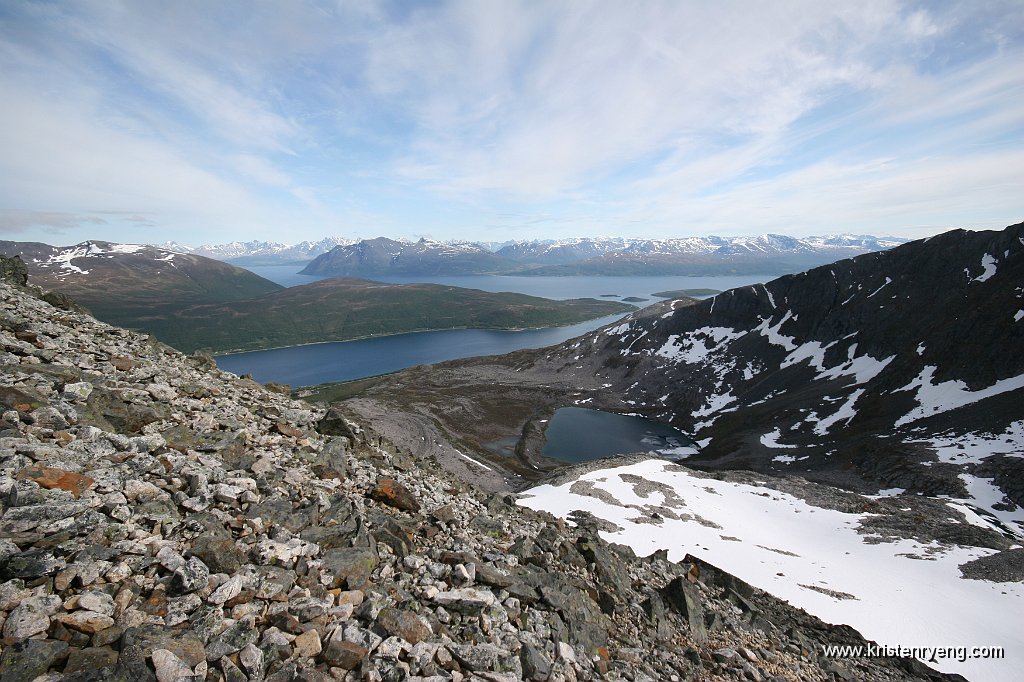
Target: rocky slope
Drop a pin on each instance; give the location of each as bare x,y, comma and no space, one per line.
163,520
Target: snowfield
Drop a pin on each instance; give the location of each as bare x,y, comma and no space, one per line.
896,593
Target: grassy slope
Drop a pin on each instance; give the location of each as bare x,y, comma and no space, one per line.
343,309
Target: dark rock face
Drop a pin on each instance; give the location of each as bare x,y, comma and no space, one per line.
13,271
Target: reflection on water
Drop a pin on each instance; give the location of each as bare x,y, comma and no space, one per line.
577,434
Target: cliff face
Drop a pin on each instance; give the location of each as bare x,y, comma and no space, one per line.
165,520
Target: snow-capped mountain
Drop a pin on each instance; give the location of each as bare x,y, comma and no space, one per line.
764,254
382,256
261,253
895,373
556,252
116,281
593,256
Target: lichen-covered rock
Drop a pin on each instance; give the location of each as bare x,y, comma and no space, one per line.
30,617
26,660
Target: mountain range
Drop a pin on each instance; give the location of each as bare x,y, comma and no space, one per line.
128,283
337,257
259,252
767,254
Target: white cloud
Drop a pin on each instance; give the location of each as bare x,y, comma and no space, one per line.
658,117
261,170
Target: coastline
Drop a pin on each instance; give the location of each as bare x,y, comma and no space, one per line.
217,354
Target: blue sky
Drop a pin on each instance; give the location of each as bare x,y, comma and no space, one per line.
206,122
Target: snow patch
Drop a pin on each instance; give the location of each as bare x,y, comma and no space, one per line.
785,544
891,492
983,494
771,440
949,395
122,248
772,332
888,281
988,264
846,412
972,448
479,464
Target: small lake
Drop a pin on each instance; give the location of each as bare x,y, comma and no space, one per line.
322,363
576,434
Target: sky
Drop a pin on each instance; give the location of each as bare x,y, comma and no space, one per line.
208,122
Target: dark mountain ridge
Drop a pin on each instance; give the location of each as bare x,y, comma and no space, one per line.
771,254
866,373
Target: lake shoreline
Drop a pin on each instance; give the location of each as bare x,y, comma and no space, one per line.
367,337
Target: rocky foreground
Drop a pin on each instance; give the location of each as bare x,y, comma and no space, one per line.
164,520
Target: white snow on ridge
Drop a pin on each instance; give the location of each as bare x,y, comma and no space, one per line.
949,395
62,258
124,248
988,263
887,591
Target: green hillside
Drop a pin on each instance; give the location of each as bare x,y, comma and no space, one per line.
345,309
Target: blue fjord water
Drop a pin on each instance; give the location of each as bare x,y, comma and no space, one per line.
322,363
559,288
347,360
